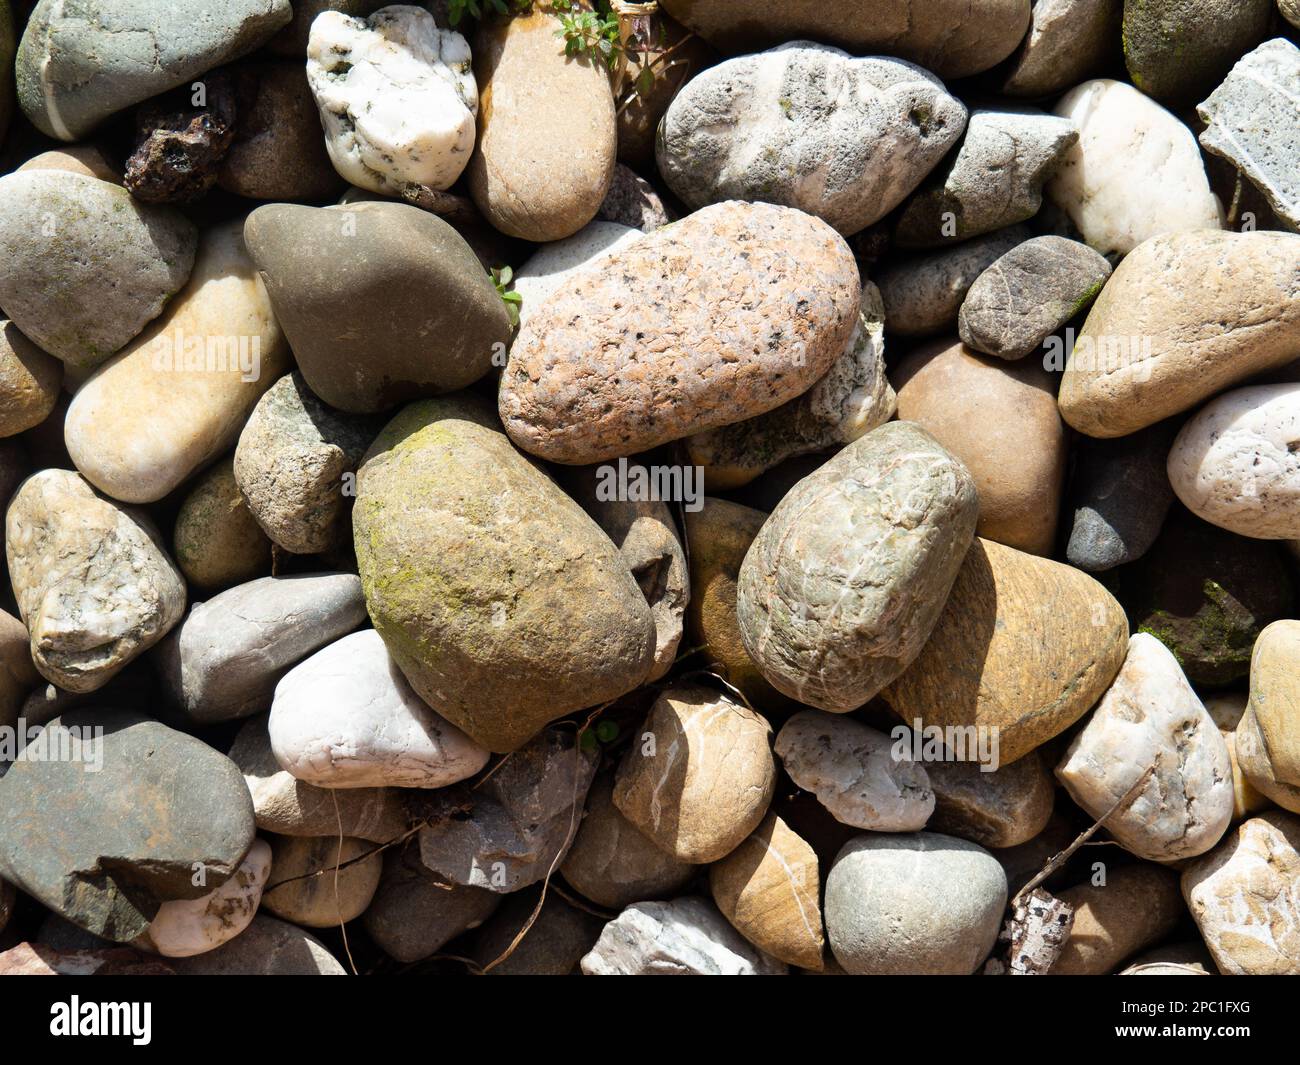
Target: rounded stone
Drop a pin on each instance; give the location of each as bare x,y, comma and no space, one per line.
551,266
845,580
1068,41
539,172
321,881
267,947
699,776
1136,907
86,267
17,671
93,582
696,347
217,541
346,718
1001,422
915,904
558,937
1266,737
29,381
88,160
994,806
501,601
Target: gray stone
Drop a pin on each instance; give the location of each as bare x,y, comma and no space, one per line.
556,941
94,585
106,838
1004,807
844,582
1120,497
131,688
267,947
995,178
291,465
1028,294
321,881
518,824
685,937
224,661
923,293
1068,42
84,60
432,320
808,126
1253,121
632,201
854,772
922,904
83,267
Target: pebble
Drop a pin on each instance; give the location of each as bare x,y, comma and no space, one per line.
1150,716
999,809
632,201
952,38
1000,420
86,268
287,806
1024,646
769,889
1181,959
346,718
396,95
432,319
187,927
612,863
699,776
138,51
1266,742
480,573
1234,463
1028,294
1290,11
293,460
994,180
557,940
518,824
93,583
161,803
1134,173
1226,712
855,773
539,171
679,325
224,660
923,292
179,142
17,672
1068,42
1119,496
29,381
550,268
1183,317
174,399
808,126
913,904
1136,907
267,947
853,398
684,937
217,542
321,881
845,580
1245,897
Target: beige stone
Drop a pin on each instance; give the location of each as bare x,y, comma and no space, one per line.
1268,736
1245,897
546,130
217,541
1226,711
321,881
146,420
29,381
1136,907
1001,420
17,673
1184,316
699,776
769,889
85,159
1024,645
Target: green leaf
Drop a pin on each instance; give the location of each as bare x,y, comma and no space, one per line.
588,741
606,731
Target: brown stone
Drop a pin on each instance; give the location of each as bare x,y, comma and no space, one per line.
217,542
321,881
1137,907
29,381
1002,808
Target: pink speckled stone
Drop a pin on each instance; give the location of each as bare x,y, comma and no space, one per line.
722,316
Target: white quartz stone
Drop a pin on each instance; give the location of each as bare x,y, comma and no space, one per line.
396,95
347,718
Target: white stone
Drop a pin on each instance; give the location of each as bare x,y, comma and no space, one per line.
1150,715
1237,462
347,718
186,927
552,264
685,937
396,95
1135,172
852,770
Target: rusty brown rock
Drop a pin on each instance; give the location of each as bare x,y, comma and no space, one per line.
179,146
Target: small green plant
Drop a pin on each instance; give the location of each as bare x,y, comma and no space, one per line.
592,33
501,278
605,732
458,9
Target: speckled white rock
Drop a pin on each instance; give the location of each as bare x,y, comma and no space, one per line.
685,937
852,770
93,582
551,265
1151,715
186,927
1135,172
1235,463
1245,897
396,95
347,718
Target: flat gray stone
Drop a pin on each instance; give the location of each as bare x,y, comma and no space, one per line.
267,947
1068,42
556,941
